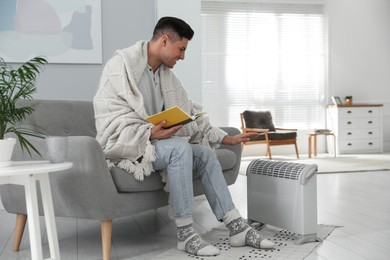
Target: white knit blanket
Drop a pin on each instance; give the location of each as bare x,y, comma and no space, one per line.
122,129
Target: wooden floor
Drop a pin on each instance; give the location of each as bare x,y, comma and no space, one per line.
359,202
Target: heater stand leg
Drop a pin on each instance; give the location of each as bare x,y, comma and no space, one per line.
250,222
254,223
308,238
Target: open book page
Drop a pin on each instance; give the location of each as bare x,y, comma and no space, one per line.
174,116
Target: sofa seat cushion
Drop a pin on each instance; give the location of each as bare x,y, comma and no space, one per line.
126,182
277,136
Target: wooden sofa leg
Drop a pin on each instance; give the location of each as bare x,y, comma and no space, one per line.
21,220
106,227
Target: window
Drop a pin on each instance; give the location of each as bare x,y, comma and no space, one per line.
264,57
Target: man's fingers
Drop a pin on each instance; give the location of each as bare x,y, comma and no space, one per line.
162,124
162,133
175,128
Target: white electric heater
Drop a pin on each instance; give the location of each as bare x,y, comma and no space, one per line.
284,195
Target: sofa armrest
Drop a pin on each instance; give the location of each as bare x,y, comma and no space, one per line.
87,189
84,191
235,148
231,175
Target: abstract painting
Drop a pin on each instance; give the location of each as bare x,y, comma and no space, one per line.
64,31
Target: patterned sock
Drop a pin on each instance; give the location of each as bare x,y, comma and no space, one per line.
242,234
190,241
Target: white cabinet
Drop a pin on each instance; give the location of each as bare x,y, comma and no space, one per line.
358,128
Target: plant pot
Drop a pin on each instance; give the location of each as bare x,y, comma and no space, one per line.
6,150
348,102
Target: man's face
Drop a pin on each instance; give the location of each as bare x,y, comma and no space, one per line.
173,51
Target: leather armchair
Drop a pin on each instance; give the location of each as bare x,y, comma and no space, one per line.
261,122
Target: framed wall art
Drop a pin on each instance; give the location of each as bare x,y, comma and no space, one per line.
64,31
336,101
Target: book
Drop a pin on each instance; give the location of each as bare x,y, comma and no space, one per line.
174,116
322,131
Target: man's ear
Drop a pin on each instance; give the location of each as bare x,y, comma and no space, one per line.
164,39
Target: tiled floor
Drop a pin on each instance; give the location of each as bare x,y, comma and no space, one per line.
358,202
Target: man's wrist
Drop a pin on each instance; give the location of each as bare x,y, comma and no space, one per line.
226,139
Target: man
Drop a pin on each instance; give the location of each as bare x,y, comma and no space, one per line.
138,82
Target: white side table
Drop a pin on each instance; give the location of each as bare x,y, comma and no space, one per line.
26,173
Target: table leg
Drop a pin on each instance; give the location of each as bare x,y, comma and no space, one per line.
334,145
47,202
315,145
309,146
33,217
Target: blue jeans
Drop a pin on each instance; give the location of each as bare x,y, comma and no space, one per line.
181,159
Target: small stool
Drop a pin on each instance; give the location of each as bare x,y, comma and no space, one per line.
314,135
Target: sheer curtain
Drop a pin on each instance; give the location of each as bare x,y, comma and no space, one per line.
264,57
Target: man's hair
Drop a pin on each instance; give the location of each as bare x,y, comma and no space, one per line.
174,27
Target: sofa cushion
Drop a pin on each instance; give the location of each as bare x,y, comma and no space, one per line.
61,117
277,136
282,135
126,182
258,119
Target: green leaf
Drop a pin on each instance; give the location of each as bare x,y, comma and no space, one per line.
17,85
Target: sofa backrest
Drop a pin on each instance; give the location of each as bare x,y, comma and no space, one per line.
62,117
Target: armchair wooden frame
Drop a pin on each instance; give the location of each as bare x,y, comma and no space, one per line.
269,142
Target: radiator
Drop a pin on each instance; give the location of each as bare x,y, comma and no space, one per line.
284,195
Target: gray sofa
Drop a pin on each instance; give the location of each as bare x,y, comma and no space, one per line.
90,190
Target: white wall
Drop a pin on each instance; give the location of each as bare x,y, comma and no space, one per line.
359,53
123,23
188,70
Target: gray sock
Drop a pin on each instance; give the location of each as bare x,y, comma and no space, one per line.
242,234
190,242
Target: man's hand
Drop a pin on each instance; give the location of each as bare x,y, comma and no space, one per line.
159,132
236,139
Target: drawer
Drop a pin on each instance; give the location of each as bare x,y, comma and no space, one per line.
360,112
369,145
366,122
363,133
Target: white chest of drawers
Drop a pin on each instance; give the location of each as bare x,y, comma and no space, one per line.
358,128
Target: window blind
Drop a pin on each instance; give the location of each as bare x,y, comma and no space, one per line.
264,57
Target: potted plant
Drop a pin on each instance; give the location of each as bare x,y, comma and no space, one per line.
17,85
348,100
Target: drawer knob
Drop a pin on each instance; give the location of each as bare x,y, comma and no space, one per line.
370,122
349,144
349,133
369,111
349,112
349,123
370,143
370,133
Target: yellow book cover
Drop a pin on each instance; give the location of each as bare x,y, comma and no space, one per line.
174,116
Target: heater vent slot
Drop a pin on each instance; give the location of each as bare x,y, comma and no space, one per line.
285,170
